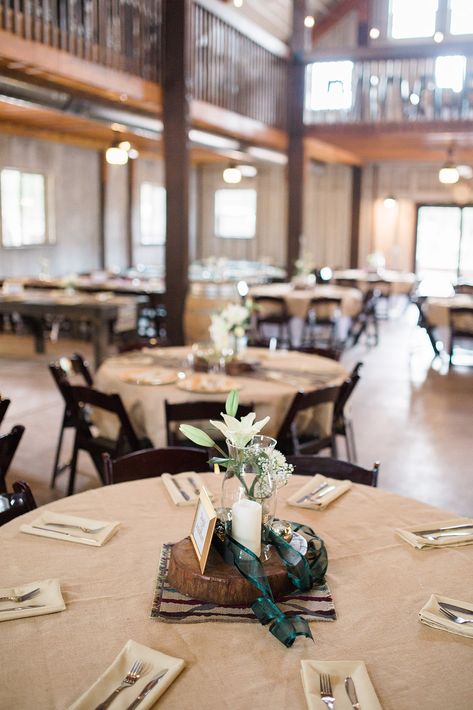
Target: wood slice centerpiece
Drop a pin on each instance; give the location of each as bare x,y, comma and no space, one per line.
221,583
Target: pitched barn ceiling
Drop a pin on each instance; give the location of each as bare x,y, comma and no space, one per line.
275,16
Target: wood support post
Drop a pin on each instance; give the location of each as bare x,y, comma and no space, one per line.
355,216
295,153
103,172
176,20
130,207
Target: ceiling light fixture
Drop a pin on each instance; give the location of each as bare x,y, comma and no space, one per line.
448,173
232,175
390,202
374,33
116,155
248,171
309,21
238,3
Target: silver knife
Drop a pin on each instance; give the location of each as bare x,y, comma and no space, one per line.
181,491
21,608
324,493
312,494
453,607
449,527
193,484
147,689
63,532
351,692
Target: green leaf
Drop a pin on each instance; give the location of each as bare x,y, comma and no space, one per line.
220,461
231,405
197,435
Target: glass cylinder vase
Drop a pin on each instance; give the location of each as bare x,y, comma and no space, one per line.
248,478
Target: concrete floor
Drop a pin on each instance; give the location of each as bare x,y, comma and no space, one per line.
409,412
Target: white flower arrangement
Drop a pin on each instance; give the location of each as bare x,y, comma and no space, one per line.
234,320
238,434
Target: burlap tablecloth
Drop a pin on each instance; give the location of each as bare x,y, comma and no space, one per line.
379,585
298,300
437,310
399,281
145,404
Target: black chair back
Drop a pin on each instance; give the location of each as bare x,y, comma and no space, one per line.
182,412
333,468
17,503
8,446
288,439
4,404
154,462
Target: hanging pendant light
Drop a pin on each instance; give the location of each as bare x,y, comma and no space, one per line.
448,173
232,175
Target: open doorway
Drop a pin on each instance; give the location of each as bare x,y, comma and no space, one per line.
444,243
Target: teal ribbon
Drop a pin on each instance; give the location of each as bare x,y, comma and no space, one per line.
303,572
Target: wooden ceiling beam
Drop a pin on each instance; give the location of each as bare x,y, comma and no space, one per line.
334,16
325,152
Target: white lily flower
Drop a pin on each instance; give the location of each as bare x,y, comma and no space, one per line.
240,433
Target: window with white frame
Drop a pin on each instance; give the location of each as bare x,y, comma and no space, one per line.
235,213
461,17
329,86
411,18
152,214
23,208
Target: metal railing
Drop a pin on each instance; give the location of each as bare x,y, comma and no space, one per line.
231,70
392,91
121,34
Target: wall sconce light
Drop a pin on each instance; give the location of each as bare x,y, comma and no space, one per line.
448,173
374,33
309,21
232,175
390,202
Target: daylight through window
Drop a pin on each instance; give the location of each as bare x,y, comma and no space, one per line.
23,206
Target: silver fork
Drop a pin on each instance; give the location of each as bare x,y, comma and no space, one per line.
326,691
131,677
18,598
454,617
76,527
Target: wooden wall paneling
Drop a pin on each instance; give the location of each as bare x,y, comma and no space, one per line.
176,14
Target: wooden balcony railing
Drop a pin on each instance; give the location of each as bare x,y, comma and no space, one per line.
397,90
121,34
231,69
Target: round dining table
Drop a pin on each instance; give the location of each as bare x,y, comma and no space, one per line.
437,310
378,583
271,388
398,282
298,299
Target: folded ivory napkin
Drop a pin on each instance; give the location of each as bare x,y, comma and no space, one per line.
47,601
434,535
338,671
431,615
154,663
184,488
317,501
71,528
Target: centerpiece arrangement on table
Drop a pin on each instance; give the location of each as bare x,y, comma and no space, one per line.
253,558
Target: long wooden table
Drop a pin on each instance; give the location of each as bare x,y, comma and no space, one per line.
378,583
33,306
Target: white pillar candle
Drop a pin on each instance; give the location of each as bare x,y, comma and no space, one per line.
246,524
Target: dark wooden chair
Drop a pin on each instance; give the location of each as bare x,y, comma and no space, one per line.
331,353
311,465
80,400
272,311
381,289
8,446
366,321
464,287
321,321
342,422
154,462
192,412
4,404
461,327
62,371
290,441
17,503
